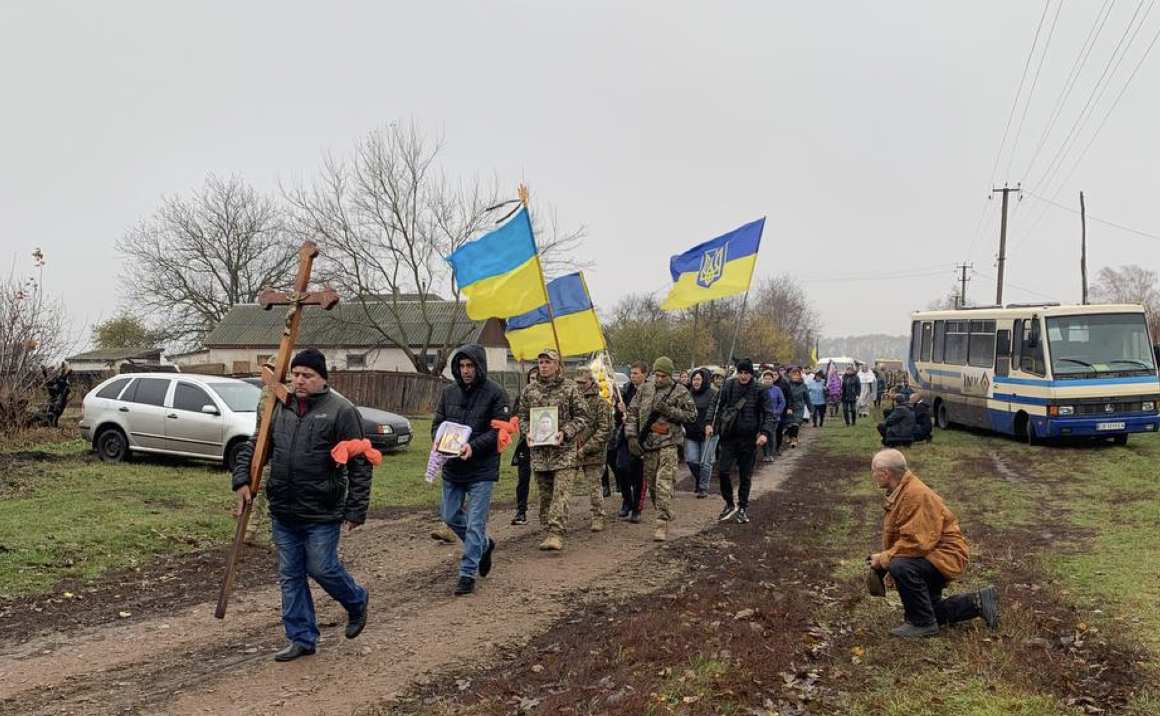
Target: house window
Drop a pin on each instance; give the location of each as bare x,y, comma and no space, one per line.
356,360
263,358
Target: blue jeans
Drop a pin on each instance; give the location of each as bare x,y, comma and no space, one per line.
465,506
703,453
308,549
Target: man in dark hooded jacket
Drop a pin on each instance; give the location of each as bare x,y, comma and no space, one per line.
468,479
898,429
743,416
923,429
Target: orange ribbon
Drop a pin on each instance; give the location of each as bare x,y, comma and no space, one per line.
347,449
506,429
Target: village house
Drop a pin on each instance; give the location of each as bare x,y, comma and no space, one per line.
248,336
110,360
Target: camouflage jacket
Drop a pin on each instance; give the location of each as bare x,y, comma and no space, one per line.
594,438
667,408
573,415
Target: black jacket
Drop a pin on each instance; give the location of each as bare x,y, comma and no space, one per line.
475,406
851,388
922,424
703,399
899,425
756,414
306,485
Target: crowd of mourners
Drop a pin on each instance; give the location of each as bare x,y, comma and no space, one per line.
708,420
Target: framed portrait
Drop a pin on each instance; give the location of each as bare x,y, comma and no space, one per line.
543,424
452,438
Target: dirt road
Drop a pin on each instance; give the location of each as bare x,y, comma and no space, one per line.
186,662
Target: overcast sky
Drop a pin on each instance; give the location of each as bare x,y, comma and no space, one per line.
866,132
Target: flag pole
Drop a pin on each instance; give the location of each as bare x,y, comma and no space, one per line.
543,280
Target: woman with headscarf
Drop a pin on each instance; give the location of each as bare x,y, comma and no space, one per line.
833,388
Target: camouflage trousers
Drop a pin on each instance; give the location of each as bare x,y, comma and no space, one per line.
660,473
593,473
259,524
555,487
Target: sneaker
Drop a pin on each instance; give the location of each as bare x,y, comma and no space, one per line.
727,512
355,623
520,519
742,518
552,543
485,560
989,606
910,631
635,518
625,511
293,652
466,585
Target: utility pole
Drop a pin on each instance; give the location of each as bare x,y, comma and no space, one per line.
1083,247
963,281
1002,242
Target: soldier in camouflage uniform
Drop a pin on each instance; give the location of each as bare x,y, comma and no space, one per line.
259,519
593,444
554,465
659,411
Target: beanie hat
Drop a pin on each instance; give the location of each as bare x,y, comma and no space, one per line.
311,358
745,366
901,398
664,364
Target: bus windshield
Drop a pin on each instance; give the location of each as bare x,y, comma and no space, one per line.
1100,344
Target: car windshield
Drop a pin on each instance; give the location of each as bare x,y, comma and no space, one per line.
1091,345
241,397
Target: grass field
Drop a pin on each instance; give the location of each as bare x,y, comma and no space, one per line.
1070,534
70,515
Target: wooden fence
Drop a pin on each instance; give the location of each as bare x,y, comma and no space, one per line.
403,393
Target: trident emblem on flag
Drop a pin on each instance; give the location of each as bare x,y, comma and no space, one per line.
712,266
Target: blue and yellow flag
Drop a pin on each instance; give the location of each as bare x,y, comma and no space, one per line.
576,322
499,273
715,269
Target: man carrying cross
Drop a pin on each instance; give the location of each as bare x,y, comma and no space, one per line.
310,498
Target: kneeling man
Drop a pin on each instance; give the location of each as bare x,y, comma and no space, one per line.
923,551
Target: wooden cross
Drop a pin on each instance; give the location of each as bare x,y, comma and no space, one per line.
274,376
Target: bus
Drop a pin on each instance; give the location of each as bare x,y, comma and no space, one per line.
1038,371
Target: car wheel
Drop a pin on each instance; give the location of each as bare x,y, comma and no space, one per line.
233,452
112,446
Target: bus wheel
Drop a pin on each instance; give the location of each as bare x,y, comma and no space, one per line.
1120,439
1024,430
942,419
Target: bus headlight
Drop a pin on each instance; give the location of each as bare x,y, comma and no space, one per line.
1066,410
1148,406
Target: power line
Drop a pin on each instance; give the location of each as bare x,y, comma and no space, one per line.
1072,79
980,274
1090,217
1018,92
1034,84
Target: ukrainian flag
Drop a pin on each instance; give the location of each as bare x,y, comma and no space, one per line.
715,269
499,273
576,322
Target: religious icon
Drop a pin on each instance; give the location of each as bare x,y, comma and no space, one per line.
452,438
545,423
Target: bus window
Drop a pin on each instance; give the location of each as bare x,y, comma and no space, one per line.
1031,352
1002,352
915,339
982,344
926,331
940,336
1016,342
956,342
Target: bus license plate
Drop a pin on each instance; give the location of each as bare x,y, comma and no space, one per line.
1110,426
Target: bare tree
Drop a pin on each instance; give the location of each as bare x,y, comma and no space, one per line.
1130,284
199,256
33,333
947,302
386,218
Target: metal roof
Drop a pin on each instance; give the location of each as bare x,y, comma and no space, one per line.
347,324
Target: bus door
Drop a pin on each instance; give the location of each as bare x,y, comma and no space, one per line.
1002,370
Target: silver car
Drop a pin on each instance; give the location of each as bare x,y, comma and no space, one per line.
171,414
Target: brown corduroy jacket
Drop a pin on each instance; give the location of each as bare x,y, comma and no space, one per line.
918,524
